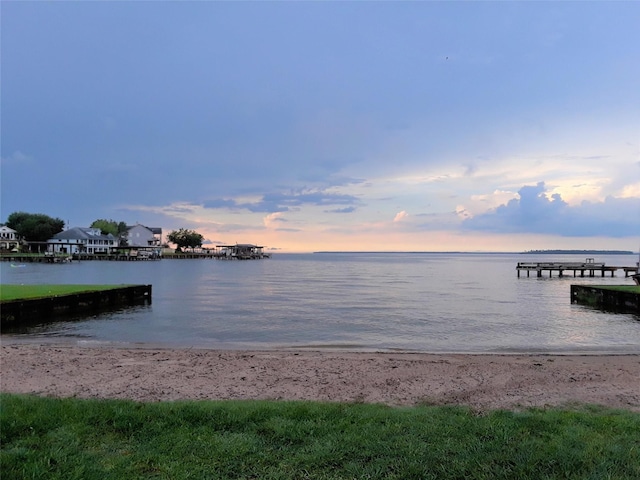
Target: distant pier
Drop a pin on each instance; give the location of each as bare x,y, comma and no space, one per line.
582,269
224,252
241,251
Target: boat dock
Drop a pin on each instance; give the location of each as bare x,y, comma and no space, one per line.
587,268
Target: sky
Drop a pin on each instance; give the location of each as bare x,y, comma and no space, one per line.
314,126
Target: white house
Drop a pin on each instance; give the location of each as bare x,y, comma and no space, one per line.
141,236
8,238
82,240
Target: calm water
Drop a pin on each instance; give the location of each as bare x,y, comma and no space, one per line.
418,302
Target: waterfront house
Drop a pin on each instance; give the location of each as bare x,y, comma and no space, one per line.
82,240
141,236
9,240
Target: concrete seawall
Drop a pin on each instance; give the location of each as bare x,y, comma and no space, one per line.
12,312
606,297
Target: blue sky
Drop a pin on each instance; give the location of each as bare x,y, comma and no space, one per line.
304,126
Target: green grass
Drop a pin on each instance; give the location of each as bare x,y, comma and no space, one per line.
25,292
620,288
109,439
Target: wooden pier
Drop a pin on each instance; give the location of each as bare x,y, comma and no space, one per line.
588,268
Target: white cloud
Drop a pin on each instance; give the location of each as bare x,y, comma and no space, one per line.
630,191
400,216
462,212
272,218
483,202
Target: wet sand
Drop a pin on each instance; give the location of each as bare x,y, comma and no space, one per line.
480,381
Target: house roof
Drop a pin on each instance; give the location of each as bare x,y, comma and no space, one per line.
240,245
77,233
154,230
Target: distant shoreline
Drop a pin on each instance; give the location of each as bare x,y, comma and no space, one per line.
586,252
534,252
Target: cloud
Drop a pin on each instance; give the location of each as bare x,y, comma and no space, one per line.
220,203
342,210
462,212
400,216
272,218
283,202
492,200
534,211
310,198
16,158
632,190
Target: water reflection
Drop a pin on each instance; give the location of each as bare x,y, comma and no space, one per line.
62,324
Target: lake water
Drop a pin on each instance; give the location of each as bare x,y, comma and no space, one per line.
430,302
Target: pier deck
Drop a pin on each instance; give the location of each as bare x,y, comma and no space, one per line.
578,268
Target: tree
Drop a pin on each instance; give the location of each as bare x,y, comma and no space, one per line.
34,227
122,228
185,238
110,226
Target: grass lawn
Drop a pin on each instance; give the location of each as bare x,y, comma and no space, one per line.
19,292
113,439
620,288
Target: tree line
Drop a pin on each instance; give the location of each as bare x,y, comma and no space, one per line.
38,227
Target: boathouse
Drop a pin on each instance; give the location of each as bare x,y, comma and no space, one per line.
240,251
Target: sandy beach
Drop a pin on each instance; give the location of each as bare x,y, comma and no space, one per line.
480,381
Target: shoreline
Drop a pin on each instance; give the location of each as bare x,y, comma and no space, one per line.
481,381
11,339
